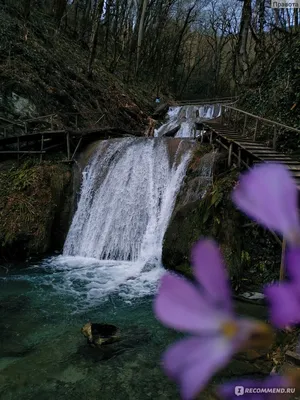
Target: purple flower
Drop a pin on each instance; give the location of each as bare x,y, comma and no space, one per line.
270,388
284,298
207,314
268,194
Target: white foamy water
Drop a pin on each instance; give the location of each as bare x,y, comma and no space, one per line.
185,117
128,193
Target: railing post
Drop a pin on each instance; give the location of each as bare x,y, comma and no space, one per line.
281,273
239,157
229,155
222,116
18,144
245,123
51,122
274,138
42,148
210,137
235,119
255,129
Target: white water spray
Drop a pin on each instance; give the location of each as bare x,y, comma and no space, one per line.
128,193
127,197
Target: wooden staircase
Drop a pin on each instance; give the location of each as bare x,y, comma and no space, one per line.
254,151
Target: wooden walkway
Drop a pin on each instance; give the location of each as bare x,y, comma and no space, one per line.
40,143
247,151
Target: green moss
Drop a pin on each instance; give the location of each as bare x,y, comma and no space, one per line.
29,199
185,269
252,254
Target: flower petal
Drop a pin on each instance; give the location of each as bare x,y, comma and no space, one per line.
181,306
192,362
284,304
269,195
211,273
293,264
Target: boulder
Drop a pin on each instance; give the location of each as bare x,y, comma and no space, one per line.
100,334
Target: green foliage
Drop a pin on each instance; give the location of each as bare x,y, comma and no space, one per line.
29,196
251,253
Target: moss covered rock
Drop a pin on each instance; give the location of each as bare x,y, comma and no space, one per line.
34,208
206,210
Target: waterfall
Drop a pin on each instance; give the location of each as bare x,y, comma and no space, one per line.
185,117
128,193
127,197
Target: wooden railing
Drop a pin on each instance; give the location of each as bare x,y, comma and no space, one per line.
214,100
253,126
73,119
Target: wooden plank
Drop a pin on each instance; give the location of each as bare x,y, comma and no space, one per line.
21,152
267,151
279,156
12,122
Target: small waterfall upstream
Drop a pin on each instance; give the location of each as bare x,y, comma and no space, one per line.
185,117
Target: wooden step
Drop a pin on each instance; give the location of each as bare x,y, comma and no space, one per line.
266,150
296,174
290,162
273,158
255,148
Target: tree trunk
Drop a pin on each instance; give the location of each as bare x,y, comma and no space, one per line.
26,9
94,35
140,34
242,52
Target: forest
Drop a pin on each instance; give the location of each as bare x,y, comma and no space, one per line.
199,48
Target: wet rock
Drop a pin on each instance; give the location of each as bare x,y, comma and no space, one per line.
253,297
172,132
133,337
100,334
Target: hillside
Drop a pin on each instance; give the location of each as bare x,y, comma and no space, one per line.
42,73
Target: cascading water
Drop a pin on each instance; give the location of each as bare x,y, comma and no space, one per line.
127,197
185,117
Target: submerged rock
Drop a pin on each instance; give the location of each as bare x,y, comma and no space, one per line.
100,334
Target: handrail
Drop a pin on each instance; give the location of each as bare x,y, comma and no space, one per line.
205,101
268,121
